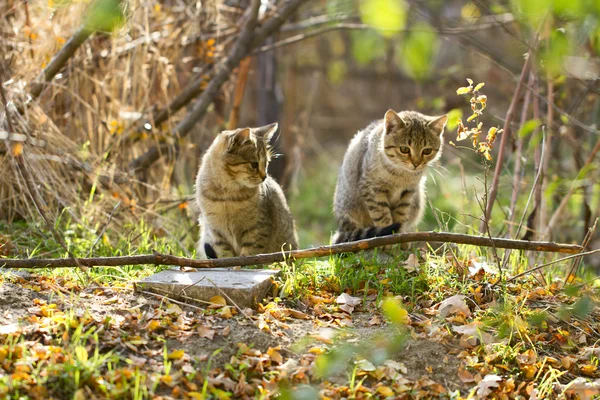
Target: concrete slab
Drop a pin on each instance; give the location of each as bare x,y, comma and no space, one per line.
246,287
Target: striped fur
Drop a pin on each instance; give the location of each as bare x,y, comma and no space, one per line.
242,210
381,183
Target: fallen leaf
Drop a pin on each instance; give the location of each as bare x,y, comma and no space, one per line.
226,331
174,309
217,302
411,263
588,369
582,388
453,305
316,350
346,308
298,314
465,376
226,312
274,354
385,391
365,365
176,354
345,298
206,332
487,385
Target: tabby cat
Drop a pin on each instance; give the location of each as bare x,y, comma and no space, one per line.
381,184
242,210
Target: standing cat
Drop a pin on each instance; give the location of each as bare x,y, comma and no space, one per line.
381,184
242,210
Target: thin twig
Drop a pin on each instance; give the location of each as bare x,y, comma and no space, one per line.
231,300
535,184
323,251
565,199
575,266
530,270
112,213
505,133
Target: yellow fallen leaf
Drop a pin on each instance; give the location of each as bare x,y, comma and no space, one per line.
196,395
177,354
153,325
316,350
385,391
226,312
588,369
275,355
529,371
217,302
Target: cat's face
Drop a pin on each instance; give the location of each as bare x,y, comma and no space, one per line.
413,140
246,154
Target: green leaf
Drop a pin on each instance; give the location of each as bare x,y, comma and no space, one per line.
531,11
387,16
105,16
81,354
479,86
583,307
453,116
367,46
529,127
463,90
553,55
419,50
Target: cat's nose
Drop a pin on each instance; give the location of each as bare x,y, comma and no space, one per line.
415,164
263,177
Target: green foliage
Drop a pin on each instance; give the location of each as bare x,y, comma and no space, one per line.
418,50
367,46
528,127
105,16
387,16
554,52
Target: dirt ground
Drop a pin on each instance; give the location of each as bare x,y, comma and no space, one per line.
421,358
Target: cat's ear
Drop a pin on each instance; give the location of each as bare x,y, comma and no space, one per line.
438,124
266,132
238,137
393,121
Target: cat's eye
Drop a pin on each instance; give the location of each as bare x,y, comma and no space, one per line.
254,165
427,151
404,150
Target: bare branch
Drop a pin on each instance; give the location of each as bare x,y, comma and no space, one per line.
59,60
323,251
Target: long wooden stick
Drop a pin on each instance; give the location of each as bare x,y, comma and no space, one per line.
323,251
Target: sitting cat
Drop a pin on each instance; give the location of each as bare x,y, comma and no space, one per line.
381,184
242,210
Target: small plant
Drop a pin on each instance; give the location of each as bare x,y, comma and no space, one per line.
478,104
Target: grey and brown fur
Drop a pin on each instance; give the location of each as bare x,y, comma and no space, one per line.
242,210
381,184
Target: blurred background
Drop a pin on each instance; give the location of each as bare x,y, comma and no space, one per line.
113,127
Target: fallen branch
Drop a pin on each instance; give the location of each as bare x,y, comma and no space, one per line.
323,251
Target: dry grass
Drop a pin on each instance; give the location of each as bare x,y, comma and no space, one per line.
114,83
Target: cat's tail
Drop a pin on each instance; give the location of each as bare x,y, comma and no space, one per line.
364,233
209,251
